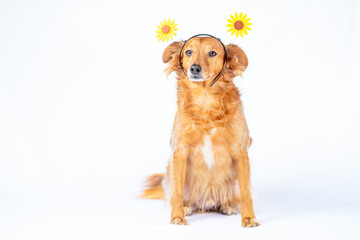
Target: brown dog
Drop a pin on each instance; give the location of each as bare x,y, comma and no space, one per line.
209,168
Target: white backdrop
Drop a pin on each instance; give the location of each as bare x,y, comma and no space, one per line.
86,114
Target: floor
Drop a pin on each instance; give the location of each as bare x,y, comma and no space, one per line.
64,217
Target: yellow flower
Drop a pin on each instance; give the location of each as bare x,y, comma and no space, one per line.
166,30
239,24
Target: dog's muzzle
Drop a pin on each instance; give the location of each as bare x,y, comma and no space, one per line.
195,74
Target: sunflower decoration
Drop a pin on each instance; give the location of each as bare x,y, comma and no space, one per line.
239,24
166,30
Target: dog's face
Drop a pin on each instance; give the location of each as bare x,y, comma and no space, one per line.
203,58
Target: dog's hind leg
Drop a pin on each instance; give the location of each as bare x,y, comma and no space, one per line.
232,207
228,210
188,211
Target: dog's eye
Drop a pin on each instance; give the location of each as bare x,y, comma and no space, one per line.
188,53
212,54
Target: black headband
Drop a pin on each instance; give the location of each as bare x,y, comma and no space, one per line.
226,58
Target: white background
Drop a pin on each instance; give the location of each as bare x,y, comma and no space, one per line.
86,114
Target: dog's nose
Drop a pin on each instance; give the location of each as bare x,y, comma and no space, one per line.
195,69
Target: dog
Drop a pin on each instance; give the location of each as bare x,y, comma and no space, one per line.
209,166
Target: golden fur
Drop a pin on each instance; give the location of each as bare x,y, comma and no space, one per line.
211,117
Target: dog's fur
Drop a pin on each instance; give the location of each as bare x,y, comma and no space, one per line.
209,168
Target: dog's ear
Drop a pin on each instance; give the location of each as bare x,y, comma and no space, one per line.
171,56
172,50
237,59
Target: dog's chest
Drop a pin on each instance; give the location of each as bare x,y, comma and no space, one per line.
210,154
207,151
203,100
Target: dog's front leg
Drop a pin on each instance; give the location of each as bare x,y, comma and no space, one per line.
243,176
178,175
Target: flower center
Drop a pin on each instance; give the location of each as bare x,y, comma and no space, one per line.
238,25
165,29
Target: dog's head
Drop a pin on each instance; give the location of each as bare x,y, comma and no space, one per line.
203,58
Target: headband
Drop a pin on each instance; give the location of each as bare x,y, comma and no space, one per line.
205,35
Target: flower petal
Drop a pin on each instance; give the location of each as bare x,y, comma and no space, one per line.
242,18
231,29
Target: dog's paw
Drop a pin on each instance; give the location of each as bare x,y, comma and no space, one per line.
188,211
178,221
209,204
227,210
249,222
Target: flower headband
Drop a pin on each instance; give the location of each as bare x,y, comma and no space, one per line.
238,24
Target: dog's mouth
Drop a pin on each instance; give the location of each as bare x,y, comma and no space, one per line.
198,78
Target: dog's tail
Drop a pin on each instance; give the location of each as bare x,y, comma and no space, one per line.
154,189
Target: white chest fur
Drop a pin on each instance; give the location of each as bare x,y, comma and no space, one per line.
207,150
